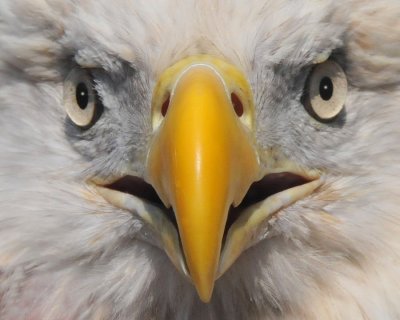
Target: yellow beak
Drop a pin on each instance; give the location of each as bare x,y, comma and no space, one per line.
202,159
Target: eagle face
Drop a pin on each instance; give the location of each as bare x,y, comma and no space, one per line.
214,160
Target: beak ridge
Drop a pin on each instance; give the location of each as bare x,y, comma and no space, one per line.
202,160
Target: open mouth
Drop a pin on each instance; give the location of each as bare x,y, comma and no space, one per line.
271,184
264,199
139,188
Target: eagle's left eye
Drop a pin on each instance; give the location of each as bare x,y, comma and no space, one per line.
80,100
325,92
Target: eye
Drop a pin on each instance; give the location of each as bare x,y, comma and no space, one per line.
325,92
80,99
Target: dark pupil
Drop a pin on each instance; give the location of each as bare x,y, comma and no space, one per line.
326,88
82,95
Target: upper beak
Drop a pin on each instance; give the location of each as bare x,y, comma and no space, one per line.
202,158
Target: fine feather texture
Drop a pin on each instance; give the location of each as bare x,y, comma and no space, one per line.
67,254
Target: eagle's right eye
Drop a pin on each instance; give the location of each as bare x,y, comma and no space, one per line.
325,92
80,101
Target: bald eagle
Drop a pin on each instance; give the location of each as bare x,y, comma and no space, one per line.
199,159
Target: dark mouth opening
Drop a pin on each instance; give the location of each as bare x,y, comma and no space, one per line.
258,191
141,189
271,184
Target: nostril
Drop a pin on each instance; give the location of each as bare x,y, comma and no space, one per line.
237,104
165,105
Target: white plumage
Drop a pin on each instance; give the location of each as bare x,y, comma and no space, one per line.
65,253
